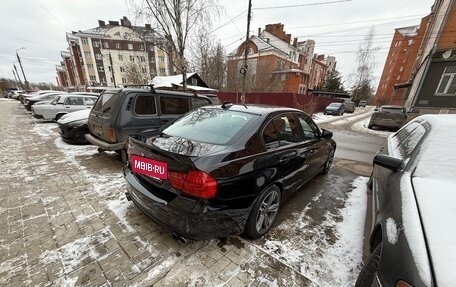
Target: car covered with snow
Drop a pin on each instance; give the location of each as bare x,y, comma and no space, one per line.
413,186
73,126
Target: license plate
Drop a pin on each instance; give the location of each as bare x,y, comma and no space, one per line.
153,168
97,129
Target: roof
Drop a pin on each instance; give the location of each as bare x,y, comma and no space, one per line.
261,44
410,31
169,81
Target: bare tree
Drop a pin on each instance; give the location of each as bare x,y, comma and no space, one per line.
135,73
364,74
210,60
176,19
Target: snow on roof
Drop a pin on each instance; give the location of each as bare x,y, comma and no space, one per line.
262,45
410,31
169,81
198,88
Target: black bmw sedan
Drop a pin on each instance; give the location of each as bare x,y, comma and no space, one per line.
413,197
73,126
222,170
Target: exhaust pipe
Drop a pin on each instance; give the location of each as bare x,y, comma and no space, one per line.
128,196
179,238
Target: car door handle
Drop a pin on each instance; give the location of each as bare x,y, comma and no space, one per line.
67,107
287,157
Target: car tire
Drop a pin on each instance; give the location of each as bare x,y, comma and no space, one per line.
366,276
370,126
267,202
325,113
328,162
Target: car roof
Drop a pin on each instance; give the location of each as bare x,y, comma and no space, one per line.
255,108
156,91
392,107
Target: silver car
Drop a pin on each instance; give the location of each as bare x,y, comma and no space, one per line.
63,104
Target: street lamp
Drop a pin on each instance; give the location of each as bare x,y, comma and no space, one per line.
19,78
22,69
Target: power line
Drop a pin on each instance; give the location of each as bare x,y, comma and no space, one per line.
301,5
52,15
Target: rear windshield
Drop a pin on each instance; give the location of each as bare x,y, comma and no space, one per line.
335,105
212,126
393,110
106,103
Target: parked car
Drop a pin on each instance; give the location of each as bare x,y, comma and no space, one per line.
337,109
349,107
388,117
362,104
222,170
119,113
61,105
14,94
29,101
73,126
31,94
413,191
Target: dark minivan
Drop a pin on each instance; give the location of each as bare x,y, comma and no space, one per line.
119,113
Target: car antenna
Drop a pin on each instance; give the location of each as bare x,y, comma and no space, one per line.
227,105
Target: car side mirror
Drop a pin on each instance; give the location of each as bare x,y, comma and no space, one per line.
326,134
389,162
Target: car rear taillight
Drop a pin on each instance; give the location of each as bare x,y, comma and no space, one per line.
111,134
195,183
401,283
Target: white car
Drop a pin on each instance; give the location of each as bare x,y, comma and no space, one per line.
63,104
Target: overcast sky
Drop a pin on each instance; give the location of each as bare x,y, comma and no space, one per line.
337,28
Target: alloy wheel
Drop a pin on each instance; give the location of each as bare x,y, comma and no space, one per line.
267,211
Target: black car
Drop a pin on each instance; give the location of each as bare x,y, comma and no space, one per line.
337,109
413,195
121,112
73,127
388,117
222,170
29,101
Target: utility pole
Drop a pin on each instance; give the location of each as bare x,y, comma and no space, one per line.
246,53
20,64
15,78
20,82
112,71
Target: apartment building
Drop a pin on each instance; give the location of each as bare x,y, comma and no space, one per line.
115,53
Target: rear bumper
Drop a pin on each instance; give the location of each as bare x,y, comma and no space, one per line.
332,112
104,145
207,223
386,123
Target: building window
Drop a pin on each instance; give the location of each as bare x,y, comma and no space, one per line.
84,41
111,80
124,80
152,59
144,70
447,85
161,58
130,46
93,78
96,44
120,58
90,66
87,54
151,48
143,59
141,47
109,68
132,58
98,57
122,69
100,69
162,71
106,45
118,45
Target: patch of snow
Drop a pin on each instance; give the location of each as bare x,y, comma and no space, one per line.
157,270
120,208
44,130
84,217
361,126
66,282
348,120
392,231
71,151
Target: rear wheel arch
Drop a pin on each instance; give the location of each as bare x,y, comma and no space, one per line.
59,115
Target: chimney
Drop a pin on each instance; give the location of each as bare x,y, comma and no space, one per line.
101,23
113,23
295,42
122,22
259,32
126,21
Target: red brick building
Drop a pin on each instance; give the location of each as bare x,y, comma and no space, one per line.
399,64
275,64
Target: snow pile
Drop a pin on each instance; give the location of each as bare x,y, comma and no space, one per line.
361,126
44,129
392,231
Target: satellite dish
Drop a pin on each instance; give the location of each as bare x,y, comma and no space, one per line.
447,54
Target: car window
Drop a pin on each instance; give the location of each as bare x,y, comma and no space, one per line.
403,143
56,99
89,101
200,102
214,126
309,128
393,110
281,130
173,105
145,105
106,103
74,101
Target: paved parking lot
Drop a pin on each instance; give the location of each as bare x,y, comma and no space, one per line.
67,223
